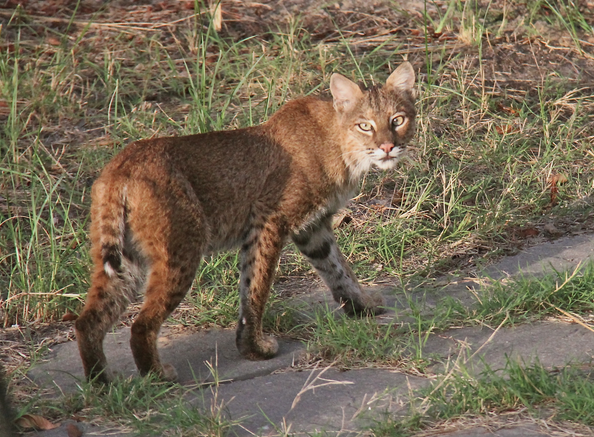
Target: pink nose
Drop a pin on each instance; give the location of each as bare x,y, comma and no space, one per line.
387,147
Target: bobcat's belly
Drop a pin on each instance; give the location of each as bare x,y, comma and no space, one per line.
223,240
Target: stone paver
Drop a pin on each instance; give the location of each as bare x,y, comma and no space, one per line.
553,343
562,254
315,400
511,431
190,352
270,397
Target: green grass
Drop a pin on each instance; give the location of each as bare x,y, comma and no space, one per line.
349,342
71,104
142,406
526,299
566,394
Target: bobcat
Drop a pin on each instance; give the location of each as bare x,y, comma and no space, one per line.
161,204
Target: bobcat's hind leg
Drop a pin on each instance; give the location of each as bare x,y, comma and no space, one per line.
105,303
318,244
259,257
166,287
171,238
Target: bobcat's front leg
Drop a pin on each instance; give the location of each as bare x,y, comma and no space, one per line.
259,258
318,244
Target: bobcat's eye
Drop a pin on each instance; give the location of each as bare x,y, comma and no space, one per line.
365,127
398,121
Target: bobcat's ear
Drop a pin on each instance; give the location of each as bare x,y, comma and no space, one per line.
345,92
402,79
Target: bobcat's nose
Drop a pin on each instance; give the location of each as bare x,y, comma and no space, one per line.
387,147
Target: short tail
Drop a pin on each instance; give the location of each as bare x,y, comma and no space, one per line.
109,214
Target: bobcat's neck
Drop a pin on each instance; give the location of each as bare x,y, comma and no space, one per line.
309,129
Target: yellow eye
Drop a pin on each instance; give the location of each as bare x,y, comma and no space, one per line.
365,127
398,121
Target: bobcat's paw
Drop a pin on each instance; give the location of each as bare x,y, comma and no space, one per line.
104,376
368,304
165,372
168,373
263,348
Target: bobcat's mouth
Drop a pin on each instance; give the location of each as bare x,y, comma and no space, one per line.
395,153
387,161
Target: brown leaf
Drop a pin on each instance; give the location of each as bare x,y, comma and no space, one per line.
341,219
557,179
398,198
33,421
53,41
506,129
69,317
73,430
528,232
8,47
554,191
508,109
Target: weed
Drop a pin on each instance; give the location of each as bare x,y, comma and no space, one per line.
144,406
517,387
530,298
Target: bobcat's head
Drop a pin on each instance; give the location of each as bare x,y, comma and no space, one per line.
378,122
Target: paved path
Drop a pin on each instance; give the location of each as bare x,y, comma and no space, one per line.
271,397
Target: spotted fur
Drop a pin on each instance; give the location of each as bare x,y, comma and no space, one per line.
162,204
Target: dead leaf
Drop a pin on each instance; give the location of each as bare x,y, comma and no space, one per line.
73,430
53,41
398,198
33,421
555,180
341,219
558,179
508,109
69,317
528,232
554,191
506,129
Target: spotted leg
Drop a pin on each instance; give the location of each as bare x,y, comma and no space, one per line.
259,258
318,244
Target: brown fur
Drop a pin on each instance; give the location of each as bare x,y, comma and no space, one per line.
162,204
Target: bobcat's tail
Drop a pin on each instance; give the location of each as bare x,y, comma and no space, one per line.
110,218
